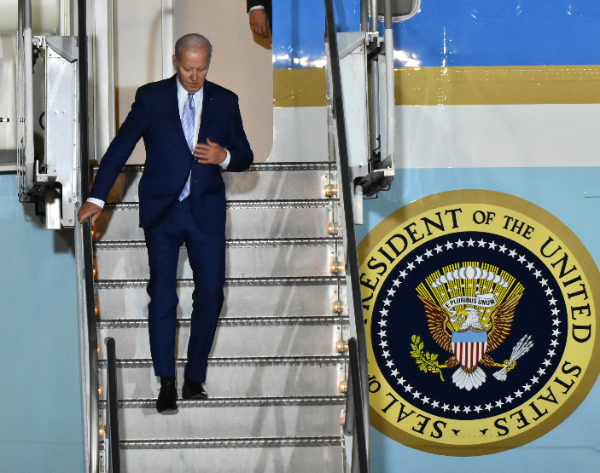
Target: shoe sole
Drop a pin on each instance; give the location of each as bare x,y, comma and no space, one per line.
168,411
197,396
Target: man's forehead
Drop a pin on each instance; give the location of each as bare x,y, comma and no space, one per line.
187,54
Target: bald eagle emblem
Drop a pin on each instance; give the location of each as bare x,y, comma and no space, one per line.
470,309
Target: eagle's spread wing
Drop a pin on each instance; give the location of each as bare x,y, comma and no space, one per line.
502,319
437,321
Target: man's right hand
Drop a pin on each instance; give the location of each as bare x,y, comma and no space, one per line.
259,22
89,210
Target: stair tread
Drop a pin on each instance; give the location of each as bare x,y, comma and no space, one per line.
256,379
253,281
229,360
305,441
278,166
250,401
317,455
283,220
234,339
258,204
250,320
242,242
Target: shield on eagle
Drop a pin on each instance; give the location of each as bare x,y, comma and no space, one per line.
469,347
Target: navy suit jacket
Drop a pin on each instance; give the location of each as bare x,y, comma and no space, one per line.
154,116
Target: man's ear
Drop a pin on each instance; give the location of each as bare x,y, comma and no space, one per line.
174,62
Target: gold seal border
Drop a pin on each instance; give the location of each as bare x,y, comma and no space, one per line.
588,266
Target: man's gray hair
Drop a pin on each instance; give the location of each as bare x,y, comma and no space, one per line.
193,41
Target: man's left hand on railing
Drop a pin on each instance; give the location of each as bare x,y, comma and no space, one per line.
89,210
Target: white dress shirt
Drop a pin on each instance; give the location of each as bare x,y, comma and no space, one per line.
182,97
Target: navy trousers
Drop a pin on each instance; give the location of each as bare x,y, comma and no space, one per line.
206,253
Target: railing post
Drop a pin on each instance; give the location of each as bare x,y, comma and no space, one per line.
112,455
364,16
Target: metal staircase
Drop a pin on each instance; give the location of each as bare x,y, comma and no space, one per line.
288,379
278,363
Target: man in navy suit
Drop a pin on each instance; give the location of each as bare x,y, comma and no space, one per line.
192,130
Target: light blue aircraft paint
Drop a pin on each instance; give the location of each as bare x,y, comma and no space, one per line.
467,33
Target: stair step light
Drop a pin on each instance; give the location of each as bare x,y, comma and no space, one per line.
338,307
331,190
336,266
342,346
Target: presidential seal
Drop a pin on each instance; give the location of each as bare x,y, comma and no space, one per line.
481,322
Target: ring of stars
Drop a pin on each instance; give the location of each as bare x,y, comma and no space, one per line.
449,246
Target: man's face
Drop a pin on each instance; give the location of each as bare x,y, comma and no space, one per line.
191,68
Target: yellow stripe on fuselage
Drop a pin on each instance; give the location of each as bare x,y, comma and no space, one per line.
457,86
299,88
497,85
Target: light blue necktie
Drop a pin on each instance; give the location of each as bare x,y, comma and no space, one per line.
187,122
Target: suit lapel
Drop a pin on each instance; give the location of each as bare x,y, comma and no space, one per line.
205,118
172,111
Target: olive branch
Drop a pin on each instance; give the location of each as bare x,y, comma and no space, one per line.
427,361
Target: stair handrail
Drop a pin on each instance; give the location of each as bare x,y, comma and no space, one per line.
360,380
85,261
89,341
112,456
355,416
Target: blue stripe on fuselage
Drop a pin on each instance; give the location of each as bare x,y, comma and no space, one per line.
453,33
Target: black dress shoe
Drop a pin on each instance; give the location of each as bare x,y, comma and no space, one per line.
167,398
193,390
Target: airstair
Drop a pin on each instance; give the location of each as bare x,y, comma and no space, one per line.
278,362
287,376
283,393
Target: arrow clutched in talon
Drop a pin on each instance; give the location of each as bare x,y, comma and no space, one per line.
522,347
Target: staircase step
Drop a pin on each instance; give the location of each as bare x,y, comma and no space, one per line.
234,455
241,376
245,219
130,260
239,243
235,321
243,281
234,340
264,181
291,297
207,419
263,401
